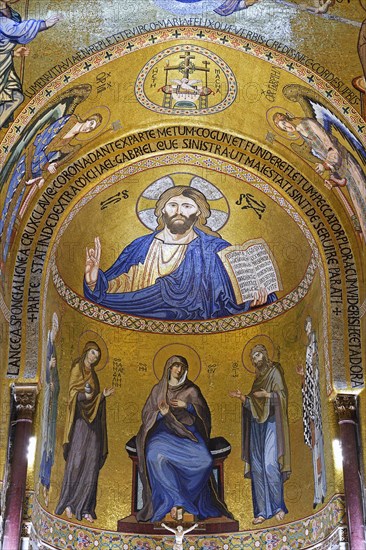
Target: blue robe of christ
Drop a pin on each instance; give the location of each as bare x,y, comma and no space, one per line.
199,288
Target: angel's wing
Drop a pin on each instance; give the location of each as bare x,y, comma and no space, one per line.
64,104
329,121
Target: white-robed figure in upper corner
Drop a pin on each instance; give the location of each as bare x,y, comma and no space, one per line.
14,31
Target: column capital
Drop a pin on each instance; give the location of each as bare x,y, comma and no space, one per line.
345,405
25,396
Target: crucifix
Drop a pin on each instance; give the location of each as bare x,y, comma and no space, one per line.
186,66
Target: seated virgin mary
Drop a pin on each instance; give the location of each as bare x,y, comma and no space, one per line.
175,464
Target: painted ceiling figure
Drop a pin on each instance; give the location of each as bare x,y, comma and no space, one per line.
224,8
14,31
344,170
51,147
174,273
230,6
175,463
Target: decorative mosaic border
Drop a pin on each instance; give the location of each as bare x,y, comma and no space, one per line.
162,36
224,167
305,533
4,309
230,78
28,505
363,309
121,320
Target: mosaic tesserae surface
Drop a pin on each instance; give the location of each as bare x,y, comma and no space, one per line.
183,231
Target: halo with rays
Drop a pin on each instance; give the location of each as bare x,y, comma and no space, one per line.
219,206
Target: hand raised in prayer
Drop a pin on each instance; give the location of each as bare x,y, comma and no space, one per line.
108,391
260,297
164,408
92,263
262,393
178,403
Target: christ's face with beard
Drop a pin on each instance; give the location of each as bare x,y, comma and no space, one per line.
180,214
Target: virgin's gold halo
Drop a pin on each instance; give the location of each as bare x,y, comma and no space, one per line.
163,354
259,339
91,336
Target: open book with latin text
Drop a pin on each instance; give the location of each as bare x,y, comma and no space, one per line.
251,266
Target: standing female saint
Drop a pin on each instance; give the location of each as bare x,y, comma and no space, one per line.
85,440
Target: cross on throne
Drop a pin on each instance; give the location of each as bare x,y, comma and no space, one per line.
220,449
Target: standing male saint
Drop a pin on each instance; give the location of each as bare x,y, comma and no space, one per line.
266,442
312,413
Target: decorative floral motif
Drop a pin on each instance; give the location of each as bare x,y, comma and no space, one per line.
83,541
220,325
320,530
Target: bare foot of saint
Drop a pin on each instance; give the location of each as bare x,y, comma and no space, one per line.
280,515
88,518
173,512
259,519
68,512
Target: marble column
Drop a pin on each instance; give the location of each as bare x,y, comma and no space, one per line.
346,409
25,401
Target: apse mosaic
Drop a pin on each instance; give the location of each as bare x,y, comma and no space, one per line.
182,235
